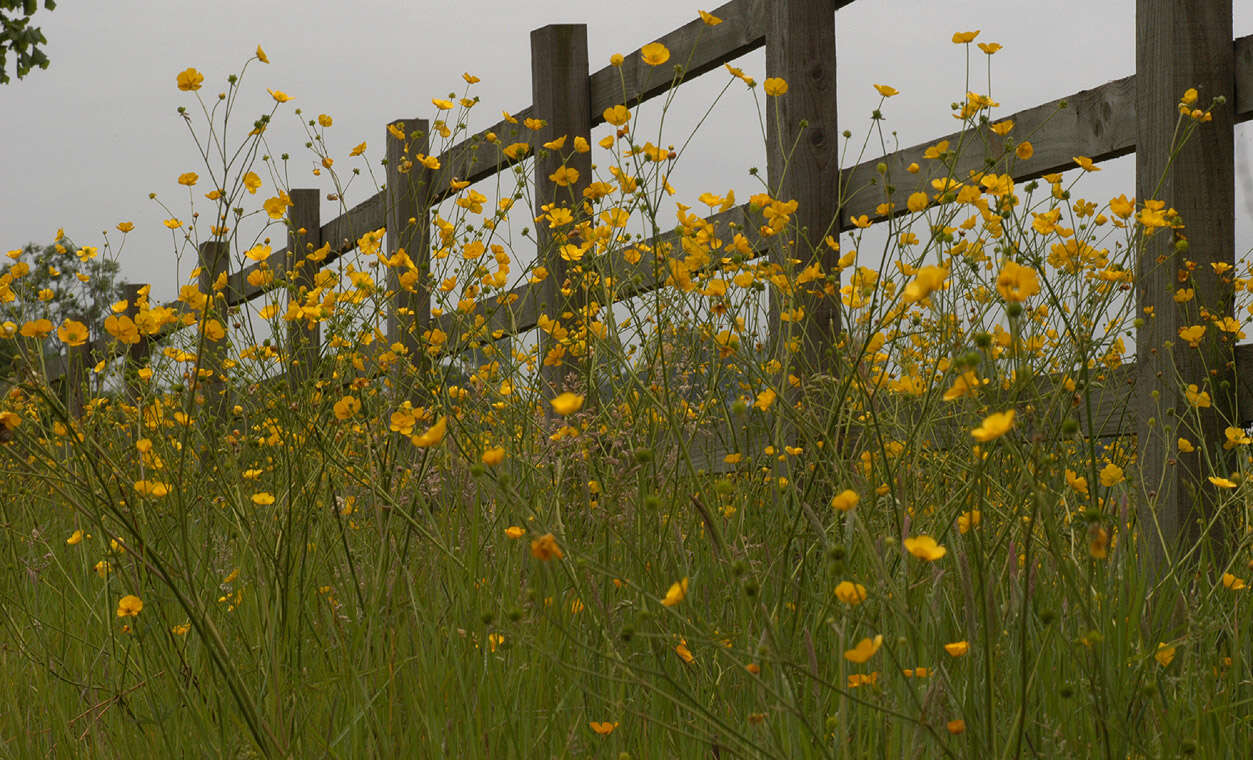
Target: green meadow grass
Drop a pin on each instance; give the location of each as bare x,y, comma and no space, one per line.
718,553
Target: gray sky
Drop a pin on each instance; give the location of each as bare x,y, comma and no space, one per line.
84,143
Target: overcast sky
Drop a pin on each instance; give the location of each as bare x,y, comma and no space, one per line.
84,143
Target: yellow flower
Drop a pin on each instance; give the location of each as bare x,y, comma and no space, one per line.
151,488
516,151
1186,446
994,426
513,531
433,435
1164,654
1024,150
845,500
173,223
263,499
567,403
564,176
961,38
494,456
1196,397
615,60
864,650
1192,334
261,56
924,547
279,96
545,548
617,115
125,226
441,104
189,80
654,54
252,182
957,648
765,399
357,150
683,652
956,726
1232,582
604,729
72,333
850,593
968,520
886,91
1222,482
990,47
346,407
1086,164
277,206
774,86
129,606
676,594
1111,475
917,202
1017,283
75,538
709,18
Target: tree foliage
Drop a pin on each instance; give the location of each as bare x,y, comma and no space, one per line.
56,282
20,38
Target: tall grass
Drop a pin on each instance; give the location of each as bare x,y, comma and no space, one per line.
696,546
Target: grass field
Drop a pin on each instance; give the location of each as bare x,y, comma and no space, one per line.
910,551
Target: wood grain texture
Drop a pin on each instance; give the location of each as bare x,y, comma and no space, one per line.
560,94
304,235
214,260
1181,45
406,212
802,159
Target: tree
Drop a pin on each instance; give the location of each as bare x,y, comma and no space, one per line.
17,35
56,282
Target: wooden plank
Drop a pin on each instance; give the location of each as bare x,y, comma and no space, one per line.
560,94
304,235
1243,64
517,310
137,355
214,260
406,212
802,160
1181,45
1098,123
695,46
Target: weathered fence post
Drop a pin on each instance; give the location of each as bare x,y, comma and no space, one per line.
137,353
1180,45
408,192
304,234
211,384
800,49
559,90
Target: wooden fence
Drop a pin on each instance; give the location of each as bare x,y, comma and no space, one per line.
1178,45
